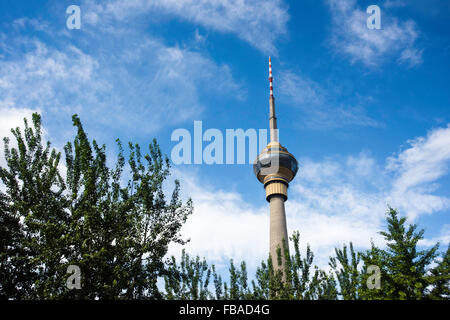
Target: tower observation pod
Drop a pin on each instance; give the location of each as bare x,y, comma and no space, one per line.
275,167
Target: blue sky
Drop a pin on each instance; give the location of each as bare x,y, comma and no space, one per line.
364,111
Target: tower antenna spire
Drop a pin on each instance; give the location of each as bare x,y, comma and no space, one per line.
272,118
270,77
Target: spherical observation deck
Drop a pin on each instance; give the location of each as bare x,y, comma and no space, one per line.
275,167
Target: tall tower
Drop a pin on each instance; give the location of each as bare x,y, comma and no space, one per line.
275,167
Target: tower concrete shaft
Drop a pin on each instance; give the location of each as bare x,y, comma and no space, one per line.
278,231
275,167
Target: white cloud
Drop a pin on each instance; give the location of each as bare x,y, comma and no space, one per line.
257,22
34,79
223,225
351,37
131,84
417,167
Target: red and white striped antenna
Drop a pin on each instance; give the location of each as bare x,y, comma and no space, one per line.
270,78
272,118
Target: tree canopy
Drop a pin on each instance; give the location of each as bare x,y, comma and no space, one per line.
117,233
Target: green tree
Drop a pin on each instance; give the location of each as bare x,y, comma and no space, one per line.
346,271
14,263
439,278
403,266
122,233
189,280
33,210
118,234
261,287
374,257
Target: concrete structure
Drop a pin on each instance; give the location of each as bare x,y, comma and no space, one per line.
275,167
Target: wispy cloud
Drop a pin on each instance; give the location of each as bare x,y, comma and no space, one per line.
443,238
319,108
351,37
125,85
257,22
394,3
35,24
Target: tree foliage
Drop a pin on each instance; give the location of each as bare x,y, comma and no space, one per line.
439,278
346,271
116,233
404,268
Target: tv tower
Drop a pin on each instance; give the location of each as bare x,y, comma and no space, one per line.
275,167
